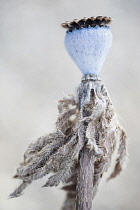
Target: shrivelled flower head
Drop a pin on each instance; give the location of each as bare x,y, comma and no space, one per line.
88,42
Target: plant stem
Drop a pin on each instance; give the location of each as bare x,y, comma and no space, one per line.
85,180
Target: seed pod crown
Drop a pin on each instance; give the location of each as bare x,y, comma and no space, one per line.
86,22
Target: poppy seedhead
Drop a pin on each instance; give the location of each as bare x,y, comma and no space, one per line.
87,132
88,42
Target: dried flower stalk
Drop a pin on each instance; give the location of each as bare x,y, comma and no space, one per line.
87,132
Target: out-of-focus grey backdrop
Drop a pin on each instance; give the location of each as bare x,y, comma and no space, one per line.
36,71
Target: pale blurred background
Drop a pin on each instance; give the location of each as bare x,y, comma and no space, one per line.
36,71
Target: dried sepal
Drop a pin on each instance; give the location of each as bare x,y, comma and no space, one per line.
122,154
66,103
63,174
64,124
31,163
18,191
95,126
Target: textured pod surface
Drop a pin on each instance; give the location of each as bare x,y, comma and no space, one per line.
88,47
